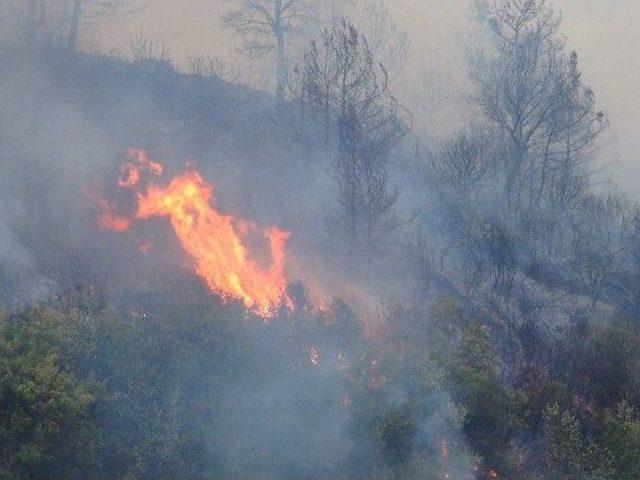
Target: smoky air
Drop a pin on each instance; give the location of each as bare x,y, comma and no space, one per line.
318,239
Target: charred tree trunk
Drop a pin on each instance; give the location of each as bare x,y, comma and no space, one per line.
31,26
281,62
76,17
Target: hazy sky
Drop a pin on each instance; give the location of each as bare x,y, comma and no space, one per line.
605,33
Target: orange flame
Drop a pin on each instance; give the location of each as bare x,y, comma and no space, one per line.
130,171
107,218
213,240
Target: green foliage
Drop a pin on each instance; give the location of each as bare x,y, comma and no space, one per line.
563,441
568,453
603,360
395,435
494,413
45,428
175,389
622,438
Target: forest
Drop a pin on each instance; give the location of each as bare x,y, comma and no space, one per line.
299,270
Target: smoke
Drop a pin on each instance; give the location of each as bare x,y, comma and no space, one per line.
356,378
21,281
66,121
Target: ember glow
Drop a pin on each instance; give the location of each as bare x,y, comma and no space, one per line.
215,241
444,459
138,160
314,355
108,219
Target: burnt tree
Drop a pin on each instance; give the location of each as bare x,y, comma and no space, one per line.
343,88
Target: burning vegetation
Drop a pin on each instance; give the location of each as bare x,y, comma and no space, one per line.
215,242
344,287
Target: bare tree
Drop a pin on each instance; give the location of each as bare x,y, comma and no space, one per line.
34,23
74,27
463,163
144,50
566,162
87,9
34,18
602,235
347,91
387,42
40,20
531,90
264,28
211,66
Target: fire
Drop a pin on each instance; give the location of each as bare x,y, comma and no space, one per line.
314,355
137,160
108,219
444,459
215,241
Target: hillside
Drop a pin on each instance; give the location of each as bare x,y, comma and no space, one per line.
201,280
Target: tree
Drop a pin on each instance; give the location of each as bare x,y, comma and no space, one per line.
387,42
532,92
343,88
563,440
91,9
600,233
35,12
265,26
41,20
44,417
568,453
622,439
463,162
212,67
493,412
